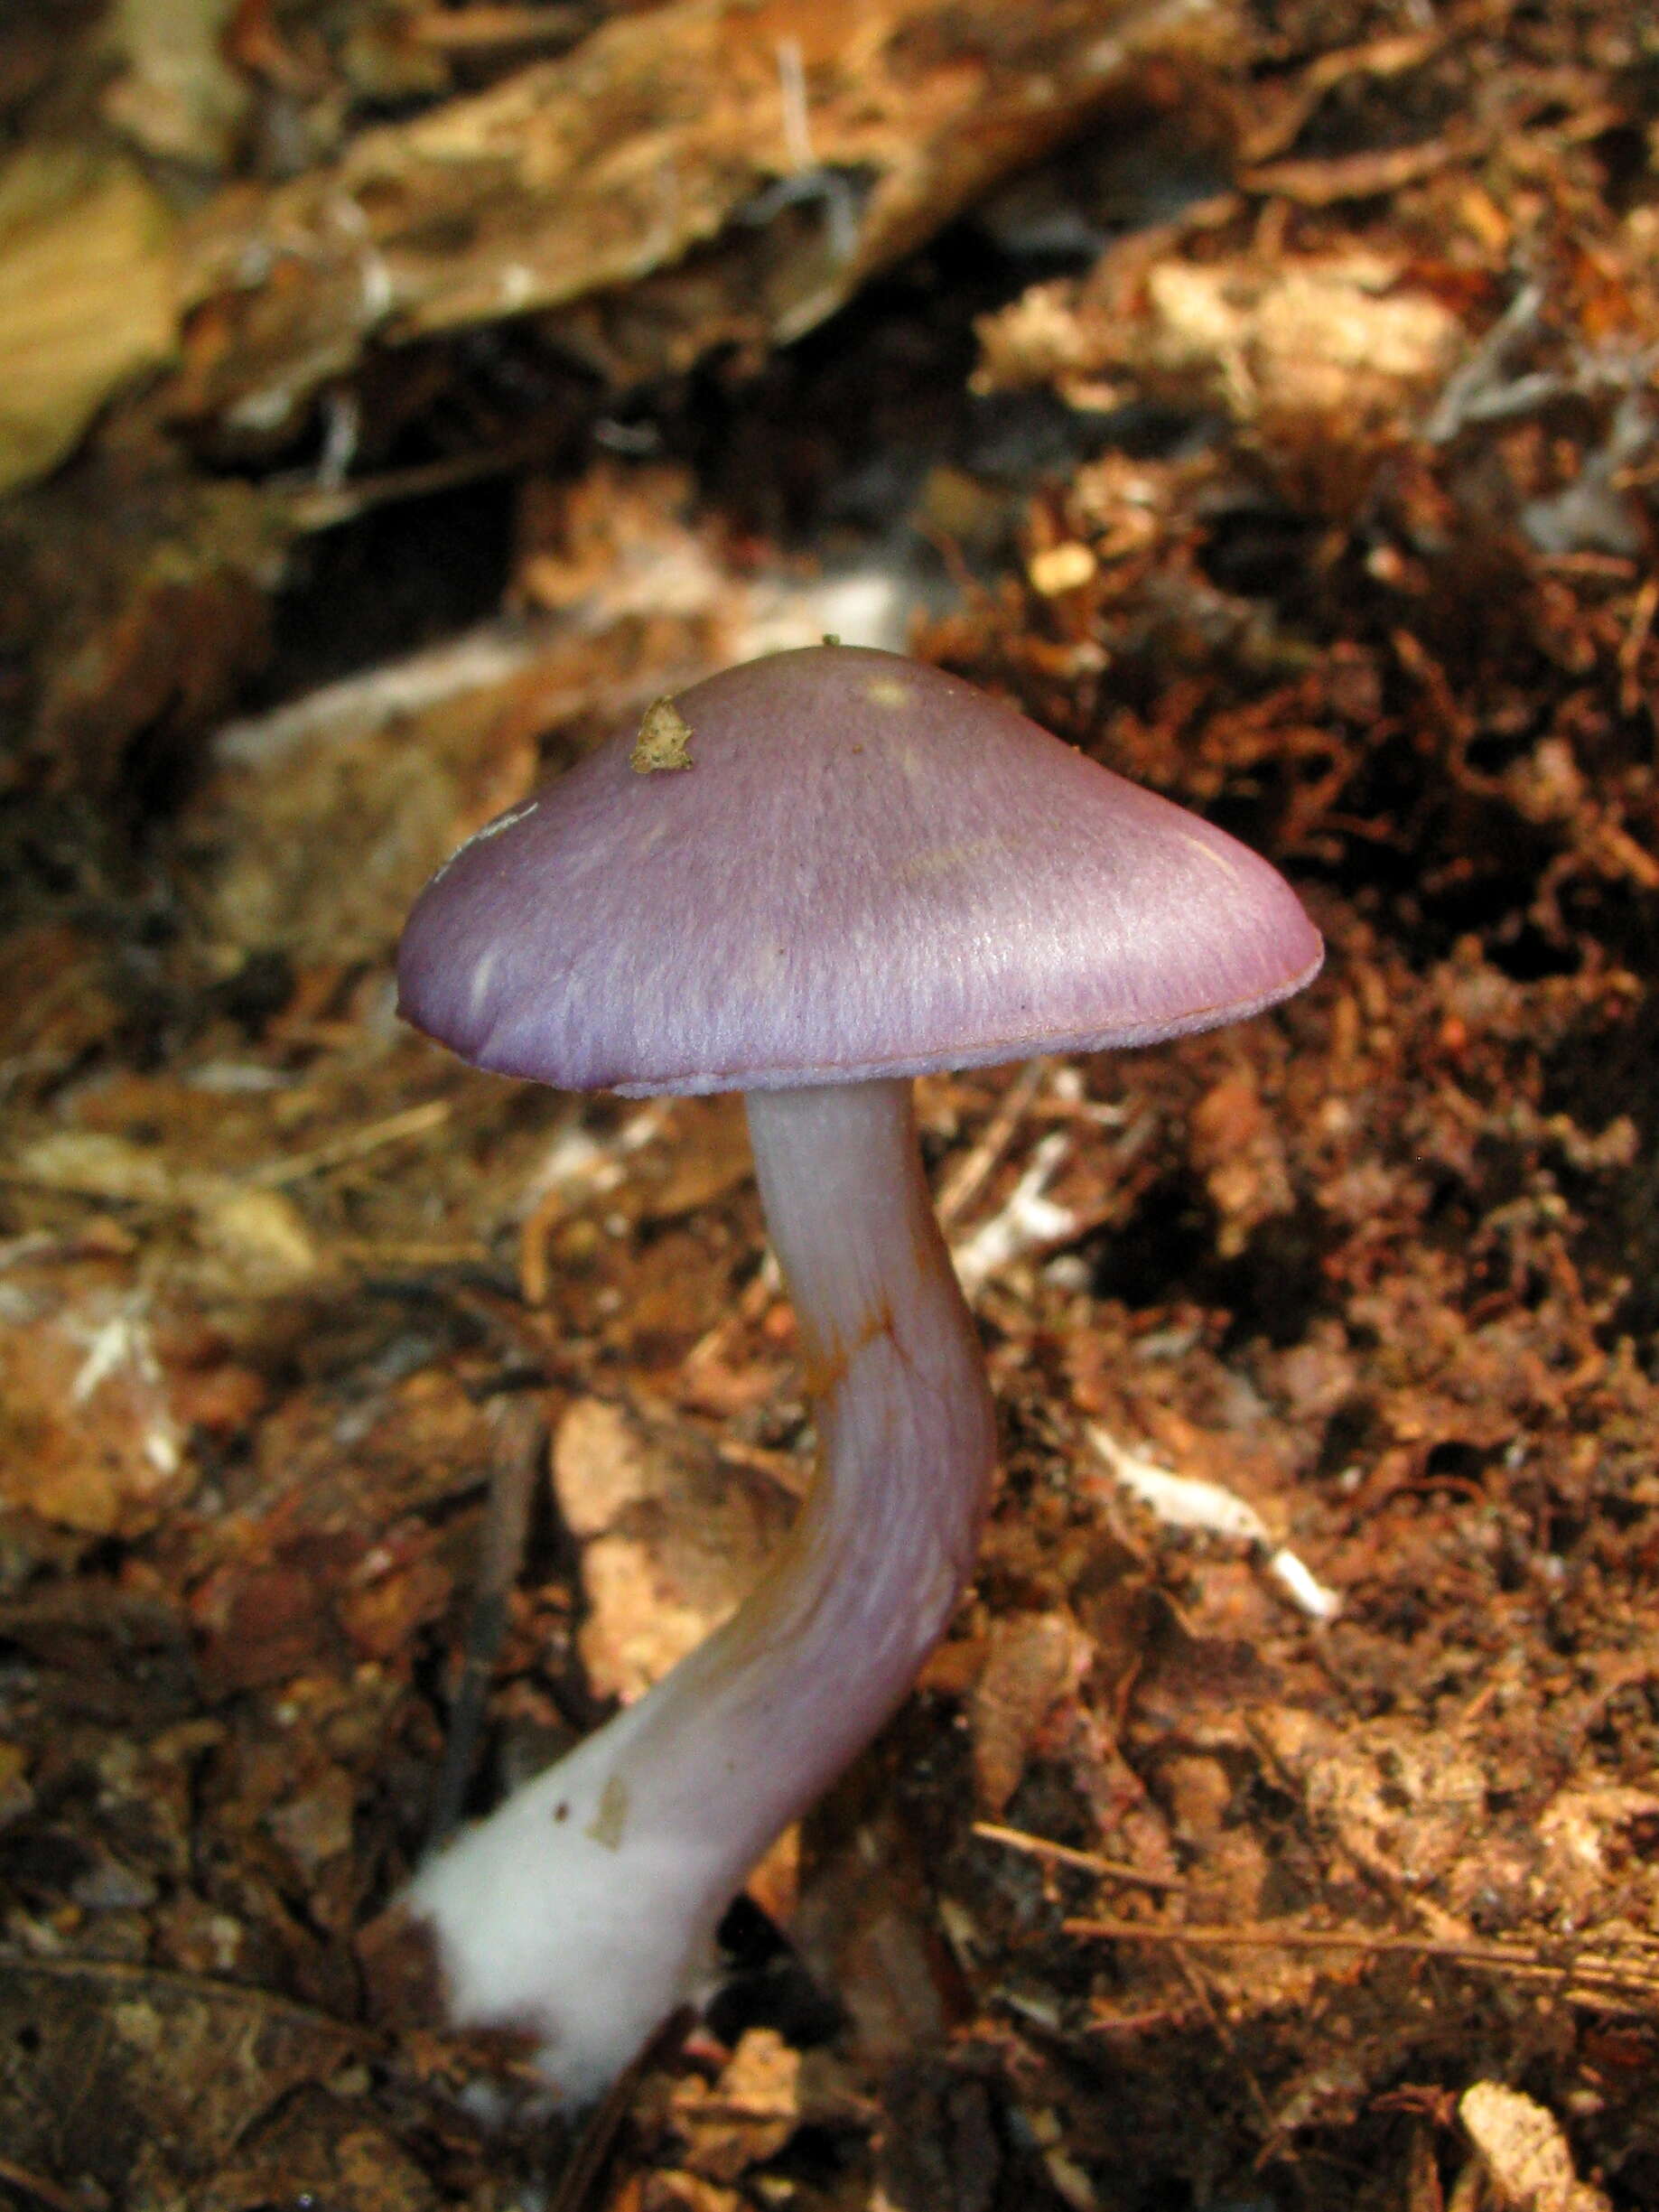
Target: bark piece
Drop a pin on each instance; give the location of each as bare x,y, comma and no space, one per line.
767,159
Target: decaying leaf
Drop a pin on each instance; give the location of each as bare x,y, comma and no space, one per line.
101,2064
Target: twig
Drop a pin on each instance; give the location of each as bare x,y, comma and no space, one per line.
1087,1862
1189,1501
1635,644
514,1465
1508,1958
319,503
578,2184
783,1470
1027,1221
471,30
1353,176
969,1176
356,1144
37,2185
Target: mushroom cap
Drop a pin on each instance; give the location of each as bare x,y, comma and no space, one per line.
868,868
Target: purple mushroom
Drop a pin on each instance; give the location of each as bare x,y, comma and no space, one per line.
807,879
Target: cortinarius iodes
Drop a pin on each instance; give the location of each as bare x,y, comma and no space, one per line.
808,880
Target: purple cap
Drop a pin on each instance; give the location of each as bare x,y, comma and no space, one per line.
835,863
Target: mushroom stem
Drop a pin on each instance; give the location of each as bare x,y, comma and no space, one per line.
583,1911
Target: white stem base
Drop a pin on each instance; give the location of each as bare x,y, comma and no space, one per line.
583,1911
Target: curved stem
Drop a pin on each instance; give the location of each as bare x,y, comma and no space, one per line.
582,1910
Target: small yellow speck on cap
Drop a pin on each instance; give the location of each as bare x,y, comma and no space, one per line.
886,691
664,738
